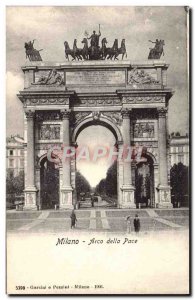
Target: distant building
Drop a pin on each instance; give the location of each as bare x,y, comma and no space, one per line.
15,154
179,149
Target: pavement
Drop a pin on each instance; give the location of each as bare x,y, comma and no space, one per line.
97,219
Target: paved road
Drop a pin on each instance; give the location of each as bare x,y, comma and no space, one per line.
102,220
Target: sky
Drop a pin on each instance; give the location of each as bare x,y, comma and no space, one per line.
51,26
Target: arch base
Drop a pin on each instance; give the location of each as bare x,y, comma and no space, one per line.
164,197
30,198
128,200
66,198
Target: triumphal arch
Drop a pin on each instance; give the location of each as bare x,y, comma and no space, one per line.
129,98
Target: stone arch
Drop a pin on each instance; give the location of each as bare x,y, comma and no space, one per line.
151,155
41,158
101,120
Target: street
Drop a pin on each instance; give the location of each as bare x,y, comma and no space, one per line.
97,220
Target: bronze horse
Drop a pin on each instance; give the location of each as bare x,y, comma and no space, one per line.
77,51
85,50
121,50
69,51
111,52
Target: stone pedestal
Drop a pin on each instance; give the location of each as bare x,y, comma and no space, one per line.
66,201
30,191
30,198
66,198
165,197
163,187
128,197
127,188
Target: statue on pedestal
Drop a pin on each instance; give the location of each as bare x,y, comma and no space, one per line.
94,49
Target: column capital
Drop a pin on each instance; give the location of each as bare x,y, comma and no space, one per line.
162,112
29,113
126,112
65,113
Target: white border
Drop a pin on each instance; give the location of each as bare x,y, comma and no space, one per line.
3,4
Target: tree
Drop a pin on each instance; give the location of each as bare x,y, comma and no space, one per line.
101,187
82,185
108,185
111,180
179,179
15,184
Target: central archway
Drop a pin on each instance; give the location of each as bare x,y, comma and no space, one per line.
113,129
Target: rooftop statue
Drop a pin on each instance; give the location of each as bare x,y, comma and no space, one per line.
31,53
157,51
94,49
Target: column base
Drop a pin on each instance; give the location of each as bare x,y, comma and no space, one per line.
128,200
66,198
164,197
30,198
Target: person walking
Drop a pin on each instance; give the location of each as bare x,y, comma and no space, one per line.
73,219
128,219
136,223
92,201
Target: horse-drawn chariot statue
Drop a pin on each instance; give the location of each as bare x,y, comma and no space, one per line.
95,51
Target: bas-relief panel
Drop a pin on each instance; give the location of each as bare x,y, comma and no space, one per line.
143,130
140,76
48,132
51,77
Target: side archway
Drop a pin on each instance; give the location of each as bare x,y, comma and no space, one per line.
49,183
144,182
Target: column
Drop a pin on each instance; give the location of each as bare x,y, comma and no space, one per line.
30,189
73,176
127,188
119,174
163,187
66,189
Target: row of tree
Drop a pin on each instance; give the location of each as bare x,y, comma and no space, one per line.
179,181
108,186
82,185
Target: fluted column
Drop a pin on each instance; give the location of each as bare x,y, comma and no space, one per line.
30,189
163,187
66,189
73,176
127,188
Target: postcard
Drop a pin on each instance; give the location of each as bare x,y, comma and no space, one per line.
97,150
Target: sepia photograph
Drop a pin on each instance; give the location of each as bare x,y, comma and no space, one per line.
97,150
